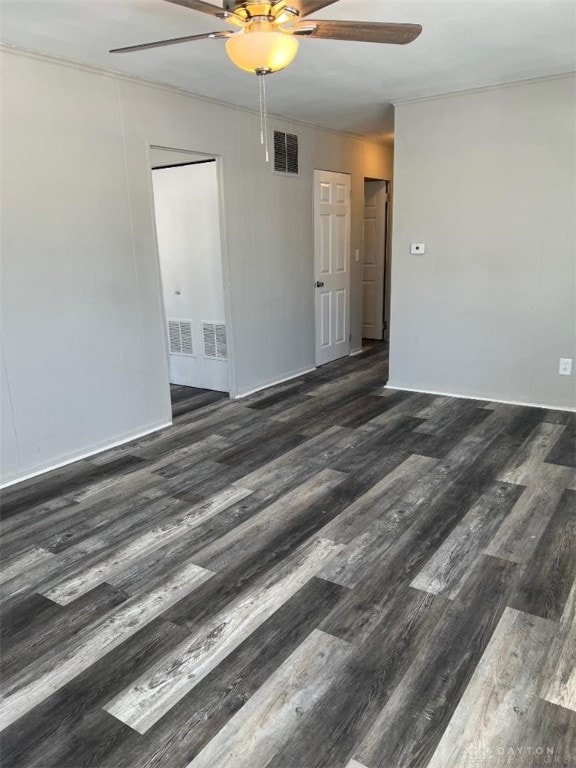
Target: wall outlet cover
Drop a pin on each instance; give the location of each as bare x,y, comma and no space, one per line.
417,249
565,368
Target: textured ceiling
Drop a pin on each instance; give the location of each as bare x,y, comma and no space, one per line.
340,85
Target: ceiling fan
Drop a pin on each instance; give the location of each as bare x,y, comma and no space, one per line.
266,35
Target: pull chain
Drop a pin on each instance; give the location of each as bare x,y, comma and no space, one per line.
263,114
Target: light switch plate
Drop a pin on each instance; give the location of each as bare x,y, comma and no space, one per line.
417,249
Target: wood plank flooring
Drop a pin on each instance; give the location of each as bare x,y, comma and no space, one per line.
326,574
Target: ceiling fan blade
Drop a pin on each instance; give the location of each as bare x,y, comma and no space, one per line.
306,7
363,31
200,5
172,41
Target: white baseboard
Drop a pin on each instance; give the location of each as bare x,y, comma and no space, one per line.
355,352
93,451
273,383
481,399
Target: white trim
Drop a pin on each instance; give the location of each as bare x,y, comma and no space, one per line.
98,448
482,88
482,399
224,258
355,352
226,266
95,70
272,383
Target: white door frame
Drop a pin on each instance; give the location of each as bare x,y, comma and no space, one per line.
188,227
373,273
332,349
199,156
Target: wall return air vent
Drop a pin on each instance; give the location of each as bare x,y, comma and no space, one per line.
215,345
285,152
180,337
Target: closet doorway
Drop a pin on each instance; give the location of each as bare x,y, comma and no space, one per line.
188,227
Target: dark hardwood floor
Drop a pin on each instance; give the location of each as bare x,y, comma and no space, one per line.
326,574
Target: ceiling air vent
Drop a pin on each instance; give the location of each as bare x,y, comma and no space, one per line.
180,337
215,346
285,152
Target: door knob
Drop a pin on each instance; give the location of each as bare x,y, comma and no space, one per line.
319,284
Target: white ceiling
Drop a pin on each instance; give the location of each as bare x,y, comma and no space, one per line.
341,85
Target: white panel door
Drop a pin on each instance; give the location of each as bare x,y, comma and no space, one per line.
373,259
186,205
332,264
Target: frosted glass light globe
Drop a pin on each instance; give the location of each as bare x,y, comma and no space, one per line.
262,50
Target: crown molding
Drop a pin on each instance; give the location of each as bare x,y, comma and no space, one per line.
485,88
103,72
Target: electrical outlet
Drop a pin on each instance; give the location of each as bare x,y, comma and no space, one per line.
417,249
565,366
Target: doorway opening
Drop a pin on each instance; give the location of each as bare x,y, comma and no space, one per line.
188,228
376,263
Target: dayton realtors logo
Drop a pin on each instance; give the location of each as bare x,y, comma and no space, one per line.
520,756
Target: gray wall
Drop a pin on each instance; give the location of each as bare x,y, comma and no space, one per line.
84,362
487,180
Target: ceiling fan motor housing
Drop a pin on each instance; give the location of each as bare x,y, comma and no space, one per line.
232,5
254,8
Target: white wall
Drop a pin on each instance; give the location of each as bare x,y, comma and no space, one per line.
83,339
488,181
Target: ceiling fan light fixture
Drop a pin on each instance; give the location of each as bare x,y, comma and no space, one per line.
261,49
